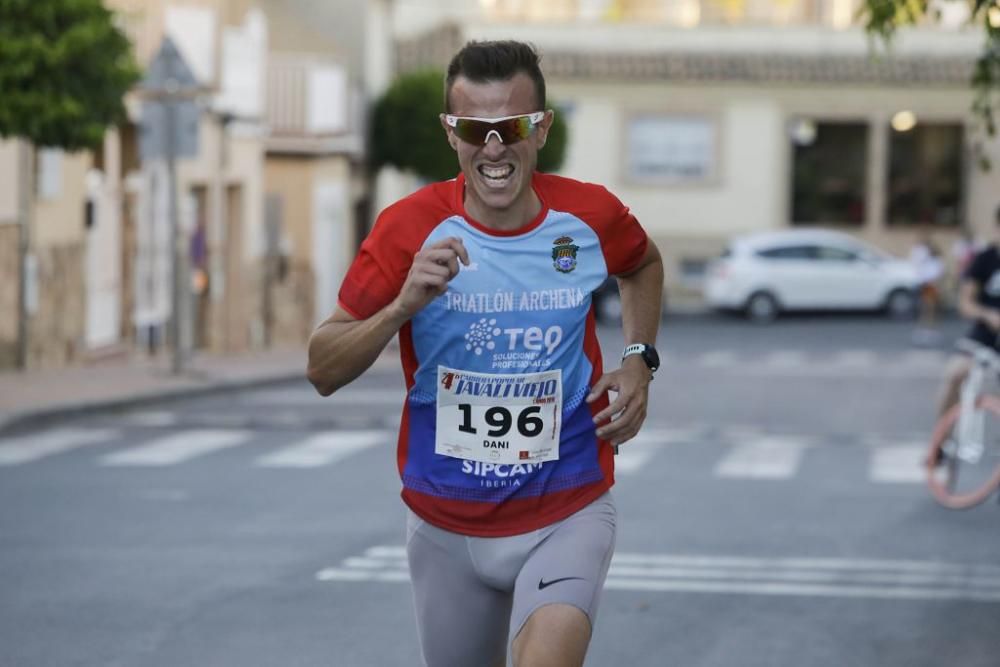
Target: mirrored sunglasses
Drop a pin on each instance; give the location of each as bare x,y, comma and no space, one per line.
509,129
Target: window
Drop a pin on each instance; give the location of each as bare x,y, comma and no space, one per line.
925,175
829,172
49,173
670,149
693,271
829,253
789,252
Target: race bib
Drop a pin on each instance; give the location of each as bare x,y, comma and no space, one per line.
499,418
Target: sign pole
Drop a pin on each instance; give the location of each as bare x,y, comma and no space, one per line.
170,131
177,359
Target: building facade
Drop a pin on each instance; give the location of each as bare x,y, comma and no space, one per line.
267,193
712,119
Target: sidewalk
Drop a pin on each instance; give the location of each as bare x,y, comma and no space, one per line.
34,396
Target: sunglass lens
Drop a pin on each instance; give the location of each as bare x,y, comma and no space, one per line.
472,131
510,131
516,129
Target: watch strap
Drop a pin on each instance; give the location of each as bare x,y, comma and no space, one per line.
637,348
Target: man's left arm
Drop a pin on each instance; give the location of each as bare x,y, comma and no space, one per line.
641,294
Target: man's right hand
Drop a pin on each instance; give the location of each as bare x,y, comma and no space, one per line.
431,271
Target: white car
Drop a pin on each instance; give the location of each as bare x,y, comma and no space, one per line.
766,273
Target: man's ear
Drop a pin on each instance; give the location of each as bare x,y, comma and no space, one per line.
452,139
542,133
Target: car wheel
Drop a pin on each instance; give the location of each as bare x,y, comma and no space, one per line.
901,304
608,308
761,307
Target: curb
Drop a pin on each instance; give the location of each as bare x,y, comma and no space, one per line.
21,420
27,419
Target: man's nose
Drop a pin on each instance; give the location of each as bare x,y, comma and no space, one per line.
494,145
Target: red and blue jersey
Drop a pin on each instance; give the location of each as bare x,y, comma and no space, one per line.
522,305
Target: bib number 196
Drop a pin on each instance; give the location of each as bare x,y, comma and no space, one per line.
529,424
499,418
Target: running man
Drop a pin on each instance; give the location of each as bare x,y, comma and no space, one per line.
505,446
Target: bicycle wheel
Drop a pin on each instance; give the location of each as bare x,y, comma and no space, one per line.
960,478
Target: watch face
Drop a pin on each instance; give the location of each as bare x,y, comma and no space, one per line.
651,357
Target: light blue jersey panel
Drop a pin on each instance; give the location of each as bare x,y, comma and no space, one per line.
520,307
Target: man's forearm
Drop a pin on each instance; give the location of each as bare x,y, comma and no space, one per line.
642,300
341,349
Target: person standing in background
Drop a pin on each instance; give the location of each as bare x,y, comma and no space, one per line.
926,259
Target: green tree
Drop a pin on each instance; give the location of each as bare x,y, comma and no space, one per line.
883,18
407,134
64,71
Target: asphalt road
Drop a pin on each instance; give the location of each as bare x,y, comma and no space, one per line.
771,513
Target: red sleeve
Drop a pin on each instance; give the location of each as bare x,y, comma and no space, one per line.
623,240
622,237
377,274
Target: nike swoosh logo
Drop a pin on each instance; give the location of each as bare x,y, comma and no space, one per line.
542,584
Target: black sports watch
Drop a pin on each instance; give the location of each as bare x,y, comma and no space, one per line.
648,353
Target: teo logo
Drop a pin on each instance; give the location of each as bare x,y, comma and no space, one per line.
486,335
535,339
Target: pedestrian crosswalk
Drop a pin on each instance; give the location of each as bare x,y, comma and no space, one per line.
323,449
885,579
725,453
774,457
177,448
24,449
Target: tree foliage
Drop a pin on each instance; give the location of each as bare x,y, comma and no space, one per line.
883,18
407,134
64,71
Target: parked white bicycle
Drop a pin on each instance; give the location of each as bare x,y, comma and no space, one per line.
963,464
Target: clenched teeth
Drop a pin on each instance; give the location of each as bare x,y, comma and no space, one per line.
496,172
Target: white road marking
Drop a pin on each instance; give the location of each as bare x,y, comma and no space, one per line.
863,358
718,359
152,418
22,449
807,590
177,448
898,464
635,453
775,457
926,358
325,448
335,574
786,358
815,577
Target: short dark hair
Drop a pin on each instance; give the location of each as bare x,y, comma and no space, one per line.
482,62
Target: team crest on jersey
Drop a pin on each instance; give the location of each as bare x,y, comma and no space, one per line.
564,254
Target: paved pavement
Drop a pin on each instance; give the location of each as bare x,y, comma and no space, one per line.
30,397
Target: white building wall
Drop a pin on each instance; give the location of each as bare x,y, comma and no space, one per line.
747,192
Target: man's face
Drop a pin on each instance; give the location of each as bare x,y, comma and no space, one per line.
497,175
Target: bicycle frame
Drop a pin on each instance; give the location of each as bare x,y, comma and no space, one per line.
959,442
971,427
